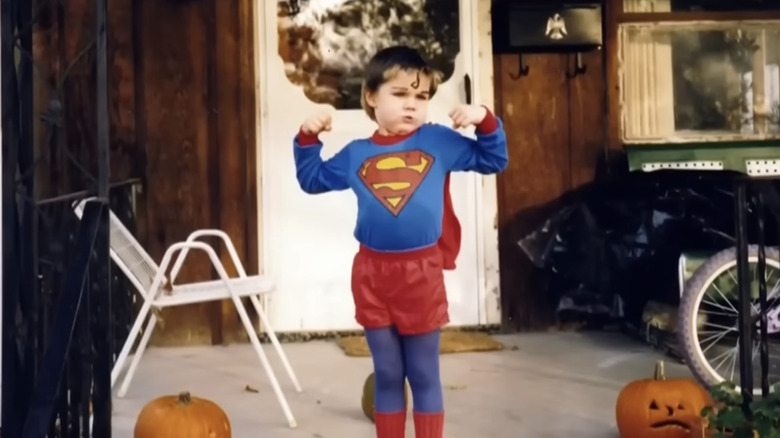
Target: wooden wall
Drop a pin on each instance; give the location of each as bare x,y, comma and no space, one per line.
196,109
556,128
182,103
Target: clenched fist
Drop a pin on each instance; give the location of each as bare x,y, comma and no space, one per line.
464,116
317,123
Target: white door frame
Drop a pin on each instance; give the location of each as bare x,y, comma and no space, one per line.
484,186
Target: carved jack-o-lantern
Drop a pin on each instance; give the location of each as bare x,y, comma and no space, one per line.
660,408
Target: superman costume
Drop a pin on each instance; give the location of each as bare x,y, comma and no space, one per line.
408,235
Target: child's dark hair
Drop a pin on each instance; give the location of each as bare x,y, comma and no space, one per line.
386,63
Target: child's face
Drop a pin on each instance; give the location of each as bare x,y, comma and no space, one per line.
401,103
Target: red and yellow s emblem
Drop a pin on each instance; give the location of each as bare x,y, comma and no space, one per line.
394,177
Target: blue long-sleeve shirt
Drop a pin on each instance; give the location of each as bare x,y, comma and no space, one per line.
400,187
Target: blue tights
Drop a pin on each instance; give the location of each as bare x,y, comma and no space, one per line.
397,358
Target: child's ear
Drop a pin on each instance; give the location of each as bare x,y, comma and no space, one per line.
371,99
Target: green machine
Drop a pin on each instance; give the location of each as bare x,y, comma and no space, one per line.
705,96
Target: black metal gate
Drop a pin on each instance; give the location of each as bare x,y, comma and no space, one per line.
65,312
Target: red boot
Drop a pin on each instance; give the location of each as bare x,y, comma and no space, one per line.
390,425
428,425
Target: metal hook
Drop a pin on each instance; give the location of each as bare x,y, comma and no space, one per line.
579,67
522,69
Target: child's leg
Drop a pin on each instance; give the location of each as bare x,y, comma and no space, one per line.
389,403
421,359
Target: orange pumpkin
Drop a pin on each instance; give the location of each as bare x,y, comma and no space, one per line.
660,408
182,416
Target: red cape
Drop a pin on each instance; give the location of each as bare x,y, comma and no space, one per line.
449,242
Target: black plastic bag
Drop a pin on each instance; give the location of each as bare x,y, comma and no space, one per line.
613,246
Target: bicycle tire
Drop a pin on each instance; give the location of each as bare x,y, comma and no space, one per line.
687,315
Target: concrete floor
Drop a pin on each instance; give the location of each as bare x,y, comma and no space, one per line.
546,385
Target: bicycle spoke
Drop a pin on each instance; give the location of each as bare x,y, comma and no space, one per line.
704,350
724,327
720,306
724,355
724,297
734,361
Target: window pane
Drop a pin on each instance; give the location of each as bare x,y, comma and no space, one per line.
699,81
699,5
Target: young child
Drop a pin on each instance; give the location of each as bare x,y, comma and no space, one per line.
406,227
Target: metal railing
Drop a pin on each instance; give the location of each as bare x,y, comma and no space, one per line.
761,197
65,313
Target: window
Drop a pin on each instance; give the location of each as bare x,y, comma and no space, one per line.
699,81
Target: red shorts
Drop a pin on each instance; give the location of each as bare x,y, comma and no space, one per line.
405,290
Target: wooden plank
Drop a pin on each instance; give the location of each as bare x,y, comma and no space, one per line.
128,157
209,28
46,61
612,9
199,129
588,118
230,143
78,94
176,127
247,114
535,113
248,100
139,94
64,55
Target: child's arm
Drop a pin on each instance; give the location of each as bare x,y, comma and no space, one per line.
487,154
315,175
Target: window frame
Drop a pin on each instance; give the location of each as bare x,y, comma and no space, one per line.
643,17
652,117
615,16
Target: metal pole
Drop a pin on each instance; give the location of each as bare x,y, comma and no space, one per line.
10,410
763,320
102,100
2,5
100,297
743,277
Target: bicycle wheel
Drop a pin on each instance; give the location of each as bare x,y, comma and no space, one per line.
707,319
